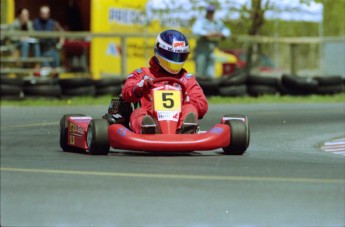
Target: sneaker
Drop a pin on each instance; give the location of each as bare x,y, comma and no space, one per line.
148,125
189,125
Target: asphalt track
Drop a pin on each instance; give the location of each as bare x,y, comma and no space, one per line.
284,179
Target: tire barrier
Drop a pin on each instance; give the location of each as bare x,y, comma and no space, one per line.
11,88
108,86
83,86
240,84
41,86
235,85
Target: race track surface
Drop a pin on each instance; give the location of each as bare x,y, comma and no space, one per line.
283,178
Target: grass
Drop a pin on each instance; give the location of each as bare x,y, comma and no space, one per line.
104,100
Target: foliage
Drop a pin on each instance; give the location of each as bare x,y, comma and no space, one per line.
334,17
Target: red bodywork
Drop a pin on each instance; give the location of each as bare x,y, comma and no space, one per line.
167,101
77,131
122,138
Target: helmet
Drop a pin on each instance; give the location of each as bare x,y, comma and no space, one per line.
171,50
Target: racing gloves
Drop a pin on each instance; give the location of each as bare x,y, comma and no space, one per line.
114,118
143,87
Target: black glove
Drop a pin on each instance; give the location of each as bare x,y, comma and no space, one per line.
114,118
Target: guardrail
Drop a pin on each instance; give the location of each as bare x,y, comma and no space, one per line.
293,42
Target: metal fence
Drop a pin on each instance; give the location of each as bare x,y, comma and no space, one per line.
292,43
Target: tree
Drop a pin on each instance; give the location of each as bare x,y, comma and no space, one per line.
257,20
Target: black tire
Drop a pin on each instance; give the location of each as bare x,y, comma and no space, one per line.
40,81
42,90
107,82
262,80
11,81
233,90
12,97
330,89
110,90
329,80
303,84
64,132
234,79
11,90
76,82
97,137
210,87
80,91
284,90
257,90
239,135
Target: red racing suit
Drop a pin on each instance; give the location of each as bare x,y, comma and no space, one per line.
197,100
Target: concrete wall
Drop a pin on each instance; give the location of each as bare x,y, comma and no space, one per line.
334,58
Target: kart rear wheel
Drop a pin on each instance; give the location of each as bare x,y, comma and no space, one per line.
64,133
97,137
239,135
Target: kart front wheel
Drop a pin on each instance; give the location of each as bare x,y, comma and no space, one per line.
239,134
64,134
97,137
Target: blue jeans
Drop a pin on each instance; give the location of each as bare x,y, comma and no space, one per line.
204,63
25,48
52,53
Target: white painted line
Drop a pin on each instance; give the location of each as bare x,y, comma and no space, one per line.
180,176
336,146
335,143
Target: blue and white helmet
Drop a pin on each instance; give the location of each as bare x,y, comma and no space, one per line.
171,50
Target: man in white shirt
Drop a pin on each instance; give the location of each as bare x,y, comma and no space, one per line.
210,31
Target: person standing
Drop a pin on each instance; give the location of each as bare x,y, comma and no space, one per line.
23,23
209,32
49,46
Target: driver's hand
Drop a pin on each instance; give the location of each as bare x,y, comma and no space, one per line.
143,87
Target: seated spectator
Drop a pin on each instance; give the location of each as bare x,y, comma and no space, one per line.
49,46
23,23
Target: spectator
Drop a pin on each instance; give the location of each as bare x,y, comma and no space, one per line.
49,46
23,23
210,31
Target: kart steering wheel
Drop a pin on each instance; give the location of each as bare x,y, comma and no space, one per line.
171,80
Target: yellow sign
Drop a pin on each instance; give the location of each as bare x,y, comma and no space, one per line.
123,16
140,16
167,100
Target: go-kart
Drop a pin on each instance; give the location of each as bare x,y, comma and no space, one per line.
80,133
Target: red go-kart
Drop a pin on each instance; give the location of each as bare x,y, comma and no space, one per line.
82,133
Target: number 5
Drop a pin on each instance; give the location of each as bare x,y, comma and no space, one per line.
167,102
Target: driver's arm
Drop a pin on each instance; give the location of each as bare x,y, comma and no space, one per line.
136,86
197,97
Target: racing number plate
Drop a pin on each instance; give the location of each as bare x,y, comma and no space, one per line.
167,100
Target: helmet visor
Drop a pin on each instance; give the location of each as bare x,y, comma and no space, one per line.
173,56
169,66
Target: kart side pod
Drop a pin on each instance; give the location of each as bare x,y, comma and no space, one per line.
122,138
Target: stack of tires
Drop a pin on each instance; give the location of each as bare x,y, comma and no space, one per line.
296,85
262,85
208,85
82,86
329,85
41,87
233,85
11,88
109,86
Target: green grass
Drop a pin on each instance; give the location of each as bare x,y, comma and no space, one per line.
104,100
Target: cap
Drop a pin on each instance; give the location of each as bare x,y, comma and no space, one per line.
210,8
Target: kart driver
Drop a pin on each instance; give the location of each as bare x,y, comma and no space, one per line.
171,50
